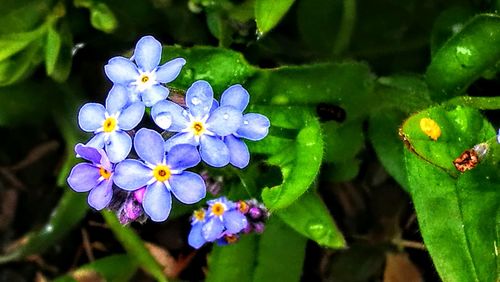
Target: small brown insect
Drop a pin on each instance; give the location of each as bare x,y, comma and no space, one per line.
470,158
405,140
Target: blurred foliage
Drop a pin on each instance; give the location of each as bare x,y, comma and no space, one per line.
386,64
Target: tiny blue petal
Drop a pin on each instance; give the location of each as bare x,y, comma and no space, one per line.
83,177
254,127
101,195
212,229
117,99
89,153
238,151
235,96
183,156
91,117
119,146
234,221
170,70
131,175
149,146
187,187
199,98
147,53
169,116
213,151
180,138
195,239
154,94
121,70
157,201
131,116
224,120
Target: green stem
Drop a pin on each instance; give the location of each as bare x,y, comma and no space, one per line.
481,103
346,27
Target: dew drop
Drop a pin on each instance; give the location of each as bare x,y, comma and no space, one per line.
464,56
316,229
164,120
245,122
225,116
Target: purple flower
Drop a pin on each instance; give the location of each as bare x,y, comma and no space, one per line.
143,77
253,127
109,124
96,177
198,125
161,174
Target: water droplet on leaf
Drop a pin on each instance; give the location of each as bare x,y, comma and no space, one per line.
316,229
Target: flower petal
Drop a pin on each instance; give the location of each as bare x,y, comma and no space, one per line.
149,146
188,187
131,116
154,94
234,221
195,239
170,70
157,201
199,98
213,151
254,127
180,138
225,120
97,141
121,70
119,146
235,96
169,116
118,97
91,117
101,195
89,153
238,151
147,53
183,156
131,175
83,177
212,230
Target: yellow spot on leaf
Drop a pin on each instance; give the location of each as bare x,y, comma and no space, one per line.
430,128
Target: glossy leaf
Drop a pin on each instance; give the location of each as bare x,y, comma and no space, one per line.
451,206
134,246
464,57
279,241
104,268
268,13
233,262
310,217
299,163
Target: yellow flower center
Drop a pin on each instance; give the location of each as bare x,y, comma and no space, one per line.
161,172
104,173
109,124
242,206
230,239
199,215
144,78
198,128
430,128
218,209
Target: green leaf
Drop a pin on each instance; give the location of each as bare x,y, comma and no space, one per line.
342,141
449,23
22,15
299,162
279,241
134,246
310,217
456,212
63,62
12,43
52,49
102,18
20,65
268,13
464,57
234,262
106,268
69,211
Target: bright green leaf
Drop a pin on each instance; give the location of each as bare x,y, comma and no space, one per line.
268,13
52,49
310,217
20,65
134,246
102,18
12,43
464,57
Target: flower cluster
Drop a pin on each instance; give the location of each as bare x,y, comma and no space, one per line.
223,221
140,184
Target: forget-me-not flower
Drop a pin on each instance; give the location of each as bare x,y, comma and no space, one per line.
96,177
223,217
198,124
161,173
253,127
142,74
110,123
195,239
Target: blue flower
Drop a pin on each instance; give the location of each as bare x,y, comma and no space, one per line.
253,127
498,136
195,239
199,124
224,218
143,77
161,174
109,124
96,177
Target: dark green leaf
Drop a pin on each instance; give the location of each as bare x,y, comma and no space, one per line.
134,246
20,65
12,43
449,23
310,217
268,13
234,262
279,241
22,15
106,268
464,57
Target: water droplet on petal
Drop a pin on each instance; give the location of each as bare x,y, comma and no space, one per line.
164,120
245,122
195,101
225,116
